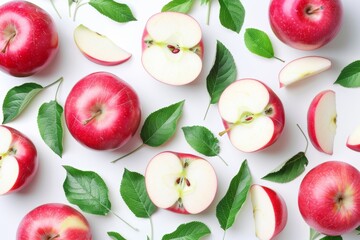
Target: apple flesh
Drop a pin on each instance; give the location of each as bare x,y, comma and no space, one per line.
321,121
353,141
252,114
18,160
28,38
302,68
270,212
305,24
98,48
102,111
329,198
54,221
181,183
172,48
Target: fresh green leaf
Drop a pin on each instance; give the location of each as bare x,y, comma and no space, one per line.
314,234
188,231
232,14
133,191
116,11
50,126
115,236
229,206
358,229
87,190
202,140
350,75
160,125
289,170
17,99
331,238
205,2
183,6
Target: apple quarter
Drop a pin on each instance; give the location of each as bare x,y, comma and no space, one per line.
353,141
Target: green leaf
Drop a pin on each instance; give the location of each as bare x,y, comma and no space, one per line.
160,125
188,231
231,203
205,2
314,234
116,11
133,191
202,140
50,126
358,229
289,170
87,190
331,238
183,6
232,14
17,99
115,236
350,75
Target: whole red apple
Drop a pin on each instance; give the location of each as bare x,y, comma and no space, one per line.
329,198
102,111
54,221
305,24
28,38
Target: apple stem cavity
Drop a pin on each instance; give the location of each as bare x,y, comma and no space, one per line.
306,139
7,43
114,161
310,10
57,12
95,115
53,237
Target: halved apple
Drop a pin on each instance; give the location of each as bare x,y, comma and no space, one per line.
302,68
353,141
321,120
99,48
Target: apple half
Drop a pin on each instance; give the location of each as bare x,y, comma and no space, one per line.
99,48
302,68
321,119
353,141
269,210
181,183
172,48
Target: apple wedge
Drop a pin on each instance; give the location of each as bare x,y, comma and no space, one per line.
99,48
270,212
321,119
353,141
181,183
302,68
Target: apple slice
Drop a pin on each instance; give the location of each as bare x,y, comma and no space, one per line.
98,48
181,183
353,141
172,48
270,212
321,120
302,68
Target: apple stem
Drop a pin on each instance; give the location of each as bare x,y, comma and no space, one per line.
208,13
207,110
223,160
52,3
311,10
128,153
96,114
306,139
279,59
116,215
53,237
7,43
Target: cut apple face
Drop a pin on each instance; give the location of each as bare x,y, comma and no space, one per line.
99,48
353,141
182,183
322,121
172,48
302,68
253,115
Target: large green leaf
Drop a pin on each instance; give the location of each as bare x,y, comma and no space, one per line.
188,231
116,11
258,42
232,14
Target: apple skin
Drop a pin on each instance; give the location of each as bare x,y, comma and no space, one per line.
329,198
54,221
118,107
295,27
26,154
36,41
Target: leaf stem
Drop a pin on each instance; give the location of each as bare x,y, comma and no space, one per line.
279,59
116,215
57,12
51,84
151,229
128,153
223,160
78,5
57,89
208,13
306,139
224,234
207,110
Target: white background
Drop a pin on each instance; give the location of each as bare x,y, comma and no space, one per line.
72,65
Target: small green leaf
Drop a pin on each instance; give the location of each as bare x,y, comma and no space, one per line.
188,231
202,140
87,190
50,126
116,11
133,191
350,75
115,236
183,6
232,14
229,206
331,238
160,125
314,234
17,99
289,170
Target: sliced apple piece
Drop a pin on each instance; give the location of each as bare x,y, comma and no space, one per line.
353,141
99,48
321,120
270,212
302,68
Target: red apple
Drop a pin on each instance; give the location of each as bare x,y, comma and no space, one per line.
54,221
18,160
329,198
28,38
305,24
102,111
